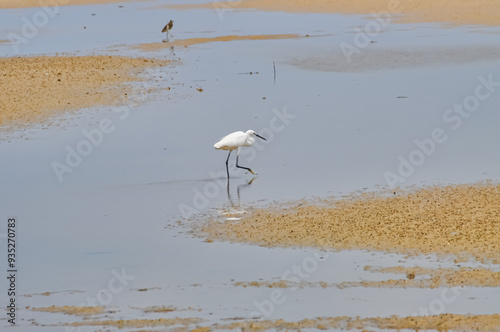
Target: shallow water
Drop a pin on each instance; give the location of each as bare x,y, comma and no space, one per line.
347,124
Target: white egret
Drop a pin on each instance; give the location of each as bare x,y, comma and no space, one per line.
235,141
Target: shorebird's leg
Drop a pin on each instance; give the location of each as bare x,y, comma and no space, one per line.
227,167
248,169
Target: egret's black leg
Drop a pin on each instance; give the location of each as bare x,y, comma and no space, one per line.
229,194
227,167
248,169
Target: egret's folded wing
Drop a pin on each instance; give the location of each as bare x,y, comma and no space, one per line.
231,141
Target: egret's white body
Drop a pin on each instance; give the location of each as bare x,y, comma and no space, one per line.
235,141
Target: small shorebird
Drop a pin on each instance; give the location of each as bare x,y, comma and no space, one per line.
168,27
235,141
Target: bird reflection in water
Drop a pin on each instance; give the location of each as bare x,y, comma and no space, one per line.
235,210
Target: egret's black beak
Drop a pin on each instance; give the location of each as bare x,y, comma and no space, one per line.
260,137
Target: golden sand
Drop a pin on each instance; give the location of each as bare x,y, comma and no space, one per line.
52,3
425,278
193,41
72,310
441,277
35,88
432,278
441,322
437,322
454,220
201,329
484,12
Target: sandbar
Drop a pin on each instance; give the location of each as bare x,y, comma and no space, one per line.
412,277
441,322
36,88
461,220
473,12
71,310
193,41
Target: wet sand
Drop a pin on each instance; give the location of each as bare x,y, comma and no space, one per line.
412,277
193,41
35,88
436,322
473,12
139,323
160,309
72,310
458,220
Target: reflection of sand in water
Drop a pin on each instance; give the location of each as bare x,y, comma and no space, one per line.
457,12
459,220
164,309
193,41
375,58
413,277
52,293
